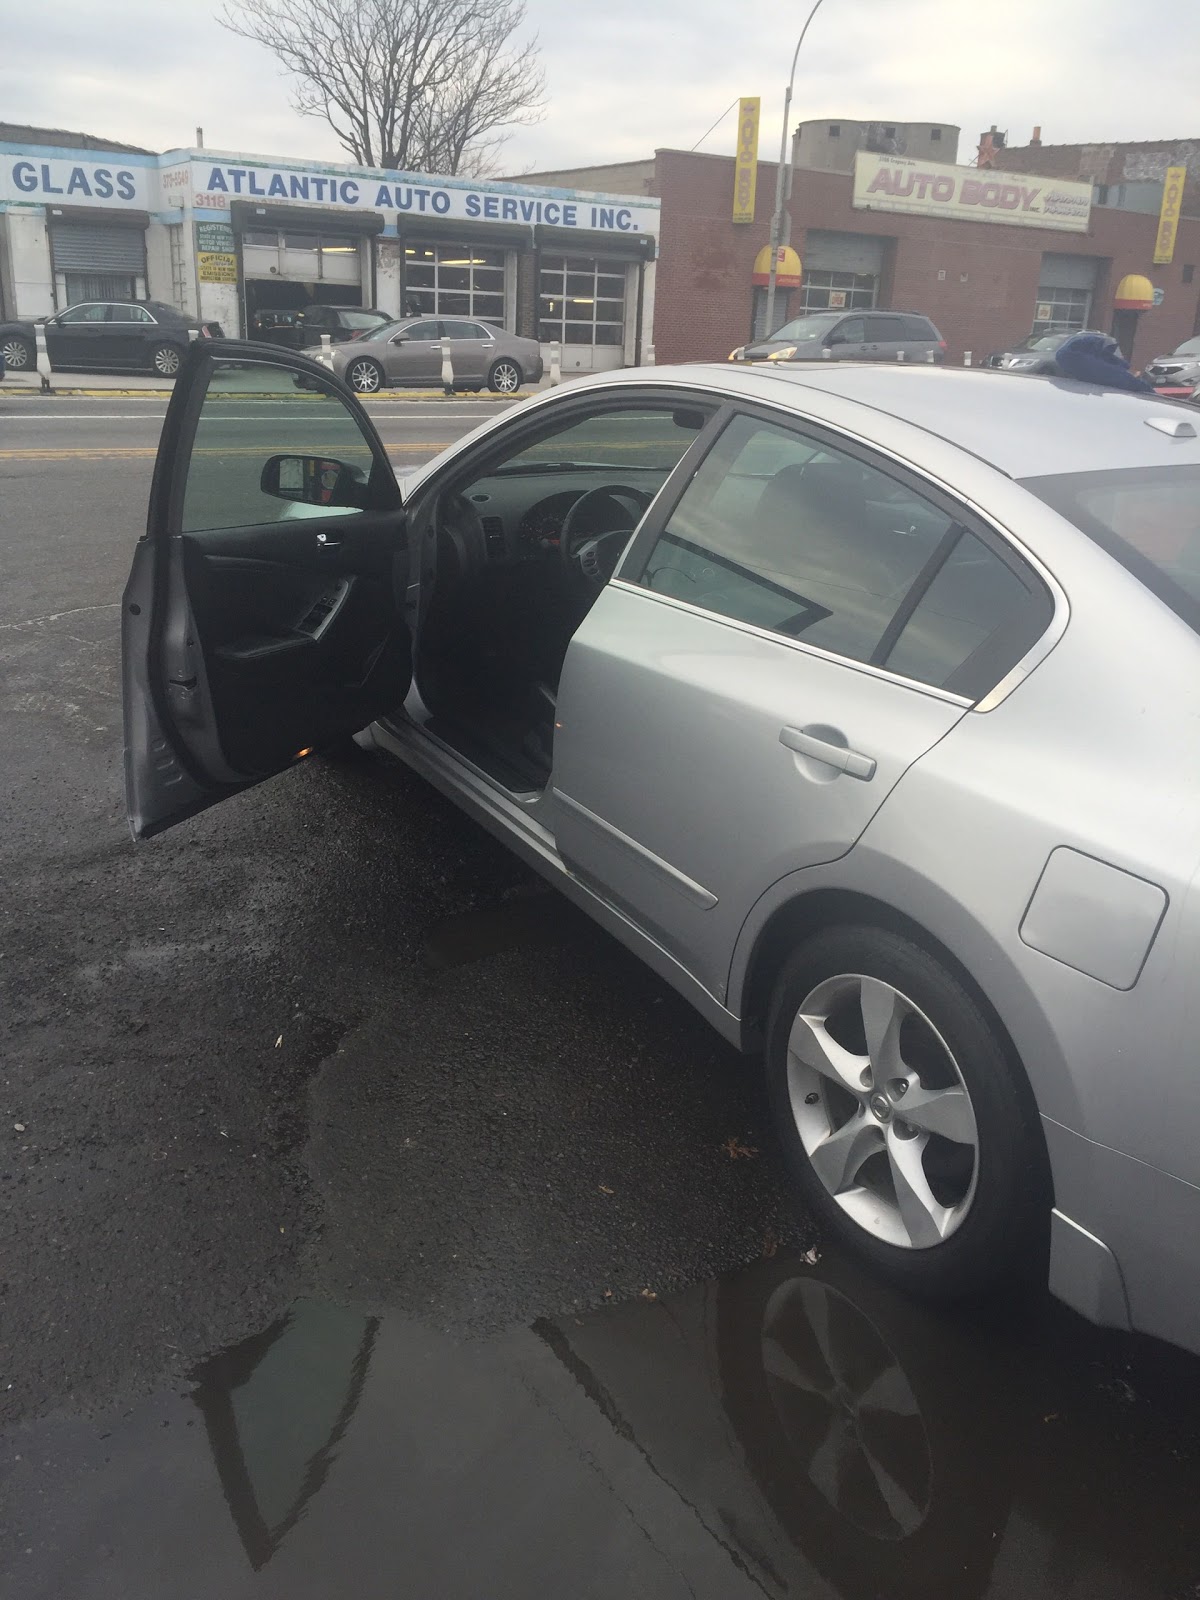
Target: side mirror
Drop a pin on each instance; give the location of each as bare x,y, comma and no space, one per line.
397,338
314,481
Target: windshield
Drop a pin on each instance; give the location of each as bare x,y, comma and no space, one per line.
805,329
1041,341
1147,517
1189,347
365,319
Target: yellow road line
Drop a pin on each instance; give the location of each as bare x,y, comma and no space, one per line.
148,452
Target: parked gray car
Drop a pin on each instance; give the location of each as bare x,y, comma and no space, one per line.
850,336
860,702
1178,371
409,353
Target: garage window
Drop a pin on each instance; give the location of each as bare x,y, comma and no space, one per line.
449,279
582,300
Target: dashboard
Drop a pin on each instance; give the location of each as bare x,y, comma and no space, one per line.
511,518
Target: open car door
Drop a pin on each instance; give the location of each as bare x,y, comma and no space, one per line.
265,613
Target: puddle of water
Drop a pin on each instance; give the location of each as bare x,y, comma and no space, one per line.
787,1430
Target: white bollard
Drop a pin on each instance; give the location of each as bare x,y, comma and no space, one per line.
826,353
43,356
555,362
648,358
447,368
929,356
966,358
326,353
899,355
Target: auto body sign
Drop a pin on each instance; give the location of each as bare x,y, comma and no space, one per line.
969,194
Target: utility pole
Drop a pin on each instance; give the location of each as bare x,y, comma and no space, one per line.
781,222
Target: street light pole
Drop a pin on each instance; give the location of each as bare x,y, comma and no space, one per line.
781,232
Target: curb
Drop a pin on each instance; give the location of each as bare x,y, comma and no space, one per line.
396,396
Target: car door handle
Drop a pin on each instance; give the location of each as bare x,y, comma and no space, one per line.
324,542
838,756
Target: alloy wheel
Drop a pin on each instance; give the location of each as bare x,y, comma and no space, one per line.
506,379
364,377
15,355
166,361
882,1111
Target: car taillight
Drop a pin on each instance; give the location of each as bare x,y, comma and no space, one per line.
205,331
943,346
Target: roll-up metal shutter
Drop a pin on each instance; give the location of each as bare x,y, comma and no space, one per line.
92,247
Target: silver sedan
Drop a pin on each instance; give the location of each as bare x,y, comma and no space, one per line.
409,353
863,703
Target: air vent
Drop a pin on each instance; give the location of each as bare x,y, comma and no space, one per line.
493,533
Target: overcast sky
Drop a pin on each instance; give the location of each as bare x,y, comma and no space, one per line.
625,76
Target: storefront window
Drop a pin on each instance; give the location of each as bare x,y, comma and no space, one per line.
581,301
1061,310
836,291
453,279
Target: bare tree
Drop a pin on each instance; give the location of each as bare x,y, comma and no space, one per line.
415,85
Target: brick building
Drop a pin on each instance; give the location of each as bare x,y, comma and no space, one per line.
985,284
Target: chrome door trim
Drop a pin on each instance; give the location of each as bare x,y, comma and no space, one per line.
692,891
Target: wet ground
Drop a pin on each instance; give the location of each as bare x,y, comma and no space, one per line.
489,1225
789,1429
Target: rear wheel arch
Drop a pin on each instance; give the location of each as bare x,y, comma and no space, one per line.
821,910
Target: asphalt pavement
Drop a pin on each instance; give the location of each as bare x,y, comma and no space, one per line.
373,1224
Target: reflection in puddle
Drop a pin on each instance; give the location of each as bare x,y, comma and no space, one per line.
787,1430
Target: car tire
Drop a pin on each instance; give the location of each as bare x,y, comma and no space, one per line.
166,360
365,376
941,1216
18,353
505,376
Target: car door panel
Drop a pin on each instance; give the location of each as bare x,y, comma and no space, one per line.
679,791
249,643
418,359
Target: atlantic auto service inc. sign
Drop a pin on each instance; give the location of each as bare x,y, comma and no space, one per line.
970,194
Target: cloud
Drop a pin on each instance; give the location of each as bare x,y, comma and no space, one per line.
631,75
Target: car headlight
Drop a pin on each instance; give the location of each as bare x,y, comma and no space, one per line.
1023,361
786,354
736,355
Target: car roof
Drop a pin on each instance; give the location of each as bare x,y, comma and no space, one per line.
1026,427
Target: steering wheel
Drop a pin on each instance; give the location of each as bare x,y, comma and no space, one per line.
596,529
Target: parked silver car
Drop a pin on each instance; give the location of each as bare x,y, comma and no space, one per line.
1178,371
409,353
861,702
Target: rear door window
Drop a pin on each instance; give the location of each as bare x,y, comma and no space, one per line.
783,530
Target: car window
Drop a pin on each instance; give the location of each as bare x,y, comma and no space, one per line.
850,331
129,314
88,313
462,330
236,437
785,532
891,329
1148,518
805,330
976,609
919,328
641,439
351,318
421,331
318,316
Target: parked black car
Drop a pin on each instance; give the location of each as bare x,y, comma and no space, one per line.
302,329
103,335
1034,353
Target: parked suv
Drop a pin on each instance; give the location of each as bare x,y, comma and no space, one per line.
850,336
99,335
1181,370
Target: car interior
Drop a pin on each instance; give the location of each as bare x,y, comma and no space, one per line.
524,546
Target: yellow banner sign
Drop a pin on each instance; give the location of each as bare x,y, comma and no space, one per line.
745,177
217,267
1168,217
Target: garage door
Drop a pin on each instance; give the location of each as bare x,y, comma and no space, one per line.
95,262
